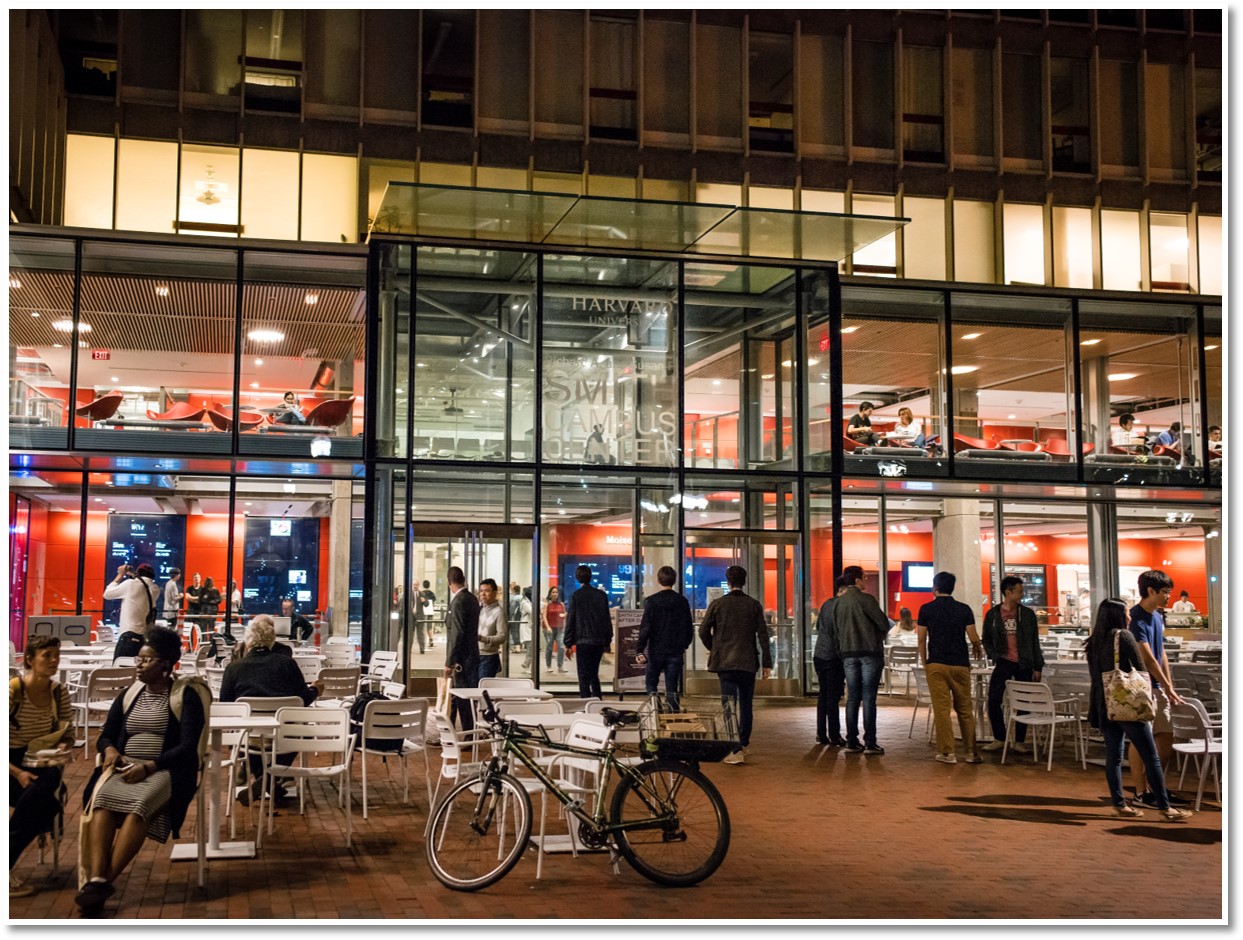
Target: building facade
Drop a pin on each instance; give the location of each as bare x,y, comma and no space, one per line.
563,344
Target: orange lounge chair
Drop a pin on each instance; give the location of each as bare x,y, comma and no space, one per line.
223,421
181,411
962,442
102,408
328,414
1059,448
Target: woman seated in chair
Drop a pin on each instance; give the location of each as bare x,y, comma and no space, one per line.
40,718
148,772
907,432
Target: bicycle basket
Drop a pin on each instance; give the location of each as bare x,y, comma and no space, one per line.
704,729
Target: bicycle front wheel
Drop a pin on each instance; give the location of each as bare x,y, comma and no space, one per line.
688,834
479,832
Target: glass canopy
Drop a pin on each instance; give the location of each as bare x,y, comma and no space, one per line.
416,210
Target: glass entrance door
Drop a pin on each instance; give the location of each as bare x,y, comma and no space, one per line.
496,551
773,578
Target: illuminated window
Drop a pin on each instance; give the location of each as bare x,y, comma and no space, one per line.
1023,240
90,164
1164,104
207,203
881,257
769,197
973,241
570,184
667,190
1210,254
270,194
1169,250
445,174
1072,247
815,200
721,194
495,177
146,186
379,174
923,238
620,187
329,198
1120,267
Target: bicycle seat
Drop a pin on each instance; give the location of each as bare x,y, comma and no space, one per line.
619,718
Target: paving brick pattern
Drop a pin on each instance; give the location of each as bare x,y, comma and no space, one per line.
817,834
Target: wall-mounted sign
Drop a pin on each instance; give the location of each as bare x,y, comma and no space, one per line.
101,355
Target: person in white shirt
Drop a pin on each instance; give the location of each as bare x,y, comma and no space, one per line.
235,599
138,593
492,629
1183,605
1214,440
905,627
1125,436
907,432
172,597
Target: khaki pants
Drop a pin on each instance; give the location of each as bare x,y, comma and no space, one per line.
951,685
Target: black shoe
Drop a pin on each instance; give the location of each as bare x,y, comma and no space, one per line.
821,739
1176,800
1148,798
854,747
837,742
93,895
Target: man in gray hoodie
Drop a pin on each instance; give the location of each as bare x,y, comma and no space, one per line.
860,627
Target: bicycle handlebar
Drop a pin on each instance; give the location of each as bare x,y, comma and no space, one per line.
489,709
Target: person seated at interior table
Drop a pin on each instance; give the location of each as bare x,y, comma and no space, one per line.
1125,436
860,427
1172,437
299,627
149,749
907,432
264,673
290,411
1214,439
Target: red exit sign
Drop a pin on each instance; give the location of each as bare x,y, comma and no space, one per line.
101,355
824,344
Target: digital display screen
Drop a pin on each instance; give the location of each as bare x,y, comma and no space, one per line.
158,541
279,527
277,566
613,574
917,576
297,576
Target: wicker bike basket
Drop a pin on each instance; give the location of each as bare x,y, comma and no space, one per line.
703,729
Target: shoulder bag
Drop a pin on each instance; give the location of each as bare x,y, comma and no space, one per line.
1128,695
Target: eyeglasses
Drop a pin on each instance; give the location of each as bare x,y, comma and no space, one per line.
144,660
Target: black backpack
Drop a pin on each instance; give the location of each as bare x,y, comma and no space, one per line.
358,712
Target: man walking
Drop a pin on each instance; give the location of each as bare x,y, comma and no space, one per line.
588,631
732,629
462,644
830,676
492,631
943,627
860,628
664,634
1012,642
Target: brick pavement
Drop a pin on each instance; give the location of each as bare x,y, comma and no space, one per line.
817,834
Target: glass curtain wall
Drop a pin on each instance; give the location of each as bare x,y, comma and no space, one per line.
41,341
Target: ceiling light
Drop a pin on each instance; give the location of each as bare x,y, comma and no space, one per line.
290,488
1009,417
1209,348
311,299
14,282
1089,342
421,365
766,375
114,379
265,336
786,363
209,190
849,329
963,370
716,381
258,362
1121,376
58,345
813,362
66,326
254,384
248,504
161,290
972,335
35,313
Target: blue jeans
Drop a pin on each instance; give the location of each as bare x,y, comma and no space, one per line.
1140,734
671,668
862,682
550,637
831,678
739,685
490,666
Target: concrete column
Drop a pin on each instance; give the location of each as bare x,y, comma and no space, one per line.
956,548
1096,415
966,413
1102,553
339,555
1214,572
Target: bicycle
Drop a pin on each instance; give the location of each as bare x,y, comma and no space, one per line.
666,819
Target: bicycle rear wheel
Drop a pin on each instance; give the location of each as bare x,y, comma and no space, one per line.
479,832
688,846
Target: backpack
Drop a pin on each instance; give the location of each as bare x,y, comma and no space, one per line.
176,697
358,713
146,587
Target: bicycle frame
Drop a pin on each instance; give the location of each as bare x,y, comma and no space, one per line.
509,740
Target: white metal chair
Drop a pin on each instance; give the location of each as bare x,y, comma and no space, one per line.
900,659
215,679
234,742
378,659
458,754
340,682
923,699
571,705
304,731
1197,737
392,690
103,685
575,774
402,721
1032,704
499,682
338,652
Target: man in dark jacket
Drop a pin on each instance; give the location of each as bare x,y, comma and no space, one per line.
830,676
1012,641
860,627
588,631
462,644
664,634
733,629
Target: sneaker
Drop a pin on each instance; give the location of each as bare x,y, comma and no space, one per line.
736,757
973,758
1020,748
947,758
874,749
993,746
18,888
1176,800
854,747
1148,798
837,742
1174,814
1126,809
821,739
93,895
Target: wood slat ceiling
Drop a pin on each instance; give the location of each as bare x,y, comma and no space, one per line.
194,317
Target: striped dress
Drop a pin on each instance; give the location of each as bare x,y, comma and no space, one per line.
144,726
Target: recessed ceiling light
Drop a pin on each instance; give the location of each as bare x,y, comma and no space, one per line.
258,362
14,282
1009,417
66,326
312,299
421,365
1089,342
58,345
766,375
716,381
1121,376
114,379
1206,348
254,384
813,362
248,504
161,290
849,329
963,370
972,335
265,336
35,313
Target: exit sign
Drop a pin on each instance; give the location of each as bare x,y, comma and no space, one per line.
101,355
824,344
